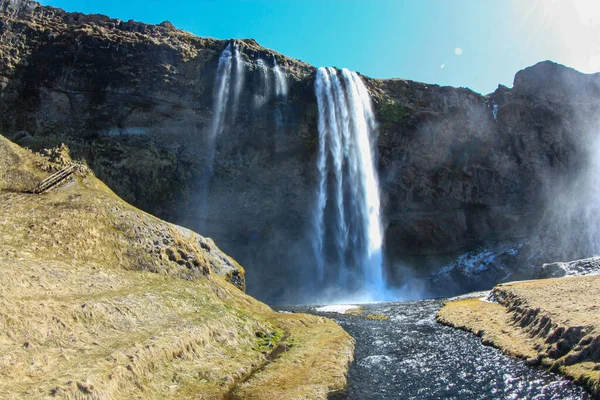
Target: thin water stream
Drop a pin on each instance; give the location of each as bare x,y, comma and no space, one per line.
410,356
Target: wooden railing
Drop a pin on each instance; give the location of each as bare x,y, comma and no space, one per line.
54,179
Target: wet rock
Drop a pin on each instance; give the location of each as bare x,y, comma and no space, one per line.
552,270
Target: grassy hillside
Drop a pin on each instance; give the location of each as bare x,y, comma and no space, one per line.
100,300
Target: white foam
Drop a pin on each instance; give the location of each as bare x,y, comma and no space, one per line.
336,308
376,361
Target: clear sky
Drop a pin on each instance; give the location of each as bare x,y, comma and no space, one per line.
470,43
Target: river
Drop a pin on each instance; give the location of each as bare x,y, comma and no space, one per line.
410,356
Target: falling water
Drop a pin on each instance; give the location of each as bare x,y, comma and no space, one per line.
281,86
265,84
239,79
281,91
222,89
348,233
221,93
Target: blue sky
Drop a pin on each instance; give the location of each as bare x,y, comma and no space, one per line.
469,43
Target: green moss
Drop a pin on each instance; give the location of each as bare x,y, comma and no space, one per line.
355,311
392,112
377,317
268,340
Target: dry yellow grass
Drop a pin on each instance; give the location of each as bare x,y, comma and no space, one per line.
554,322
93,305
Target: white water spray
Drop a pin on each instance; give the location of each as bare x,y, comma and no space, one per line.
238,79
348,232
221,93
222,98
265,84
281,86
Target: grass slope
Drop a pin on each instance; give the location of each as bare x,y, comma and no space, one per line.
99,300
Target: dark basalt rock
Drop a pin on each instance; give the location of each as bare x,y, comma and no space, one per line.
458,170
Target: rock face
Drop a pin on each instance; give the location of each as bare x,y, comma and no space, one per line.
457,169
587,266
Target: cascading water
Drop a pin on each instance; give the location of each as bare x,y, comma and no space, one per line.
221,93
222,90
281,86
239,79
281,91
222,97
264,83
348,232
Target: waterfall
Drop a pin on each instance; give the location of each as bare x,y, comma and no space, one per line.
221,93
281,86
223,96
347,226
239,79
265,85
222,89
281,91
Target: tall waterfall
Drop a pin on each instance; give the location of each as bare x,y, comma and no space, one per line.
221,93
239,79
348,232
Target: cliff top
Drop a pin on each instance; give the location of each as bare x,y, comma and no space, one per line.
165,33
550,79
541,78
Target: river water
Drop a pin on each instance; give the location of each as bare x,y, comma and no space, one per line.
410,356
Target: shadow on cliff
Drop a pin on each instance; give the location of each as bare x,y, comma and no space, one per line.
550,126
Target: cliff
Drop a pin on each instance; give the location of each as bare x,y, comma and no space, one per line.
458,171
101,300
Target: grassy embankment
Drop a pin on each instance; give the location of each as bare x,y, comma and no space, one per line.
554,323
100,300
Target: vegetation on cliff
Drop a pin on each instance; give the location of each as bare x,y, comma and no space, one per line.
101,300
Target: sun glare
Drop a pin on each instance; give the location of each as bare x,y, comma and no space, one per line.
572,27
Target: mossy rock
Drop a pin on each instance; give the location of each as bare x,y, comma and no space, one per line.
377,317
